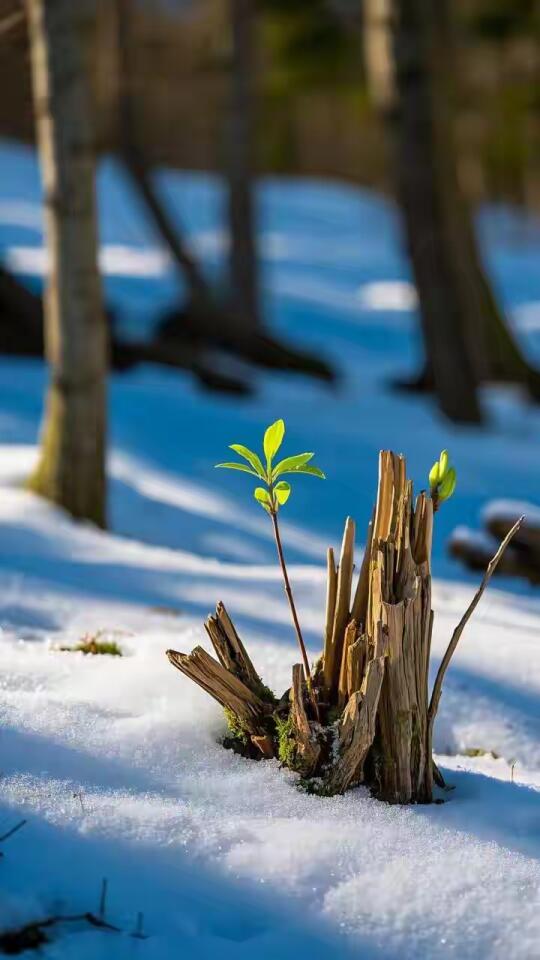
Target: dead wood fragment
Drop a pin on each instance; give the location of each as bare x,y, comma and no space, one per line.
356,662
360,602
230,650
331,591
265,745
357,730
306,746
224,687
343,684
333,654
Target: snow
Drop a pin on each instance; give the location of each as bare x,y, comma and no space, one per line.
115,762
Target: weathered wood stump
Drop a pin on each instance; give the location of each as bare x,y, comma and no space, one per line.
371,683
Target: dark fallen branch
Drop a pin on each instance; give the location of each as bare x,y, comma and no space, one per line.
13,830
475,548
33,935
21,334
218,329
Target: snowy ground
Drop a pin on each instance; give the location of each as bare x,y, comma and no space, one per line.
115,761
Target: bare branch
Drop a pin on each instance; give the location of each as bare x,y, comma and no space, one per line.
491,567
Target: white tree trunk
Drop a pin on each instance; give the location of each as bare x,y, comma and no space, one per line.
71,470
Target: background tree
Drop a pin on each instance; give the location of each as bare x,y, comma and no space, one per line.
71,468
240,166
411,74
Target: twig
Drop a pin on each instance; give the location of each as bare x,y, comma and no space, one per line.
13,830
491,567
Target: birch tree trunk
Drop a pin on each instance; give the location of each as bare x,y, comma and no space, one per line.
71,469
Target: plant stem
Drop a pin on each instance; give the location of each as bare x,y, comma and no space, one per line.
294,614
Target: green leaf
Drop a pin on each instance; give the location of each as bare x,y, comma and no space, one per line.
443,465
312,471
273,438
282,492
263,497
251,458
434,475
291,463
237,466
448,485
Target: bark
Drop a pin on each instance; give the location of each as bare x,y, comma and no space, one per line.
307,749
428,192
357,730
71,470
243,265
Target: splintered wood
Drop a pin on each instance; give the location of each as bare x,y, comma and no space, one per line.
371,683
233,681
387,621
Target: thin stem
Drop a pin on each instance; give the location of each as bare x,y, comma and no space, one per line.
294,614
437,687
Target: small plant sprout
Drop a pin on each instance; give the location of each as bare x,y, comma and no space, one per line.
442,480
272,496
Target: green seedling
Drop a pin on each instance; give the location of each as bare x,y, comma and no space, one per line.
93,645
272,496
442,480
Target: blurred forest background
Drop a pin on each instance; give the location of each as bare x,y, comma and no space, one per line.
310,71
435,105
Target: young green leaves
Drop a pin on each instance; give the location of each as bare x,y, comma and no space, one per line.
442,479
276,492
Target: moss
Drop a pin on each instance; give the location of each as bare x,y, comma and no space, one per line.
265,693
235,726
95,647
316,787
479,752
334,714
286,742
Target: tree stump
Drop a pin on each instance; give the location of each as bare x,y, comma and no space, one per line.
371,683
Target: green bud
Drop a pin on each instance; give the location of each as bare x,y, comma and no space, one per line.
434,475
443,465
448,485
